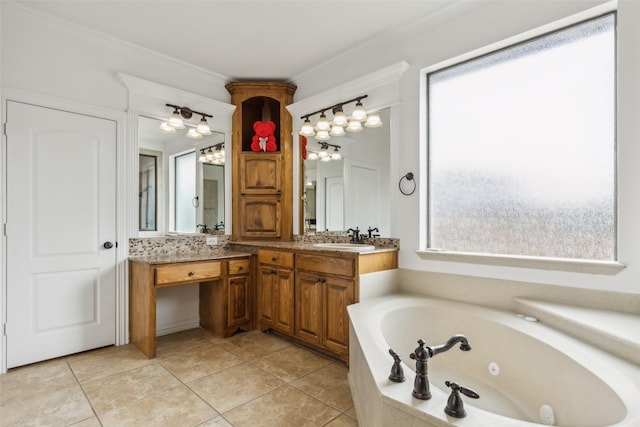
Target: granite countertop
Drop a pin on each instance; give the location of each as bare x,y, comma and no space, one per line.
306,246
189,256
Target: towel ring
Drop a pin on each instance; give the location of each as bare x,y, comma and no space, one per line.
408,177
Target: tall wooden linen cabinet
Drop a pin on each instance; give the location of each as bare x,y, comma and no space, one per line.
262,182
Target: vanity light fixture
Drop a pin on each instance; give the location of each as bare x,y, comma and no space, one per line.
324,154
214,154
179,115
324,130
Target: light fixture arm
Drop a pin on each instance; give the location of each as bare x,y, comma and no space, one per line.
187,112
334,107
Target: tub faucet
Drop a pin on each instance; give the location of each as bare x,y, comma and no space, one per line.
421,354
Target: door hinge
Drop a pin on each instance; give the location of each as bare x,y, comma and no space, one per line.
4,228
4,329
4,129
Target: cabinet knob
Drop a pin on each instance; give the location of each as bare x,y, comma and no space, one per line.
192,273
241,268
273,258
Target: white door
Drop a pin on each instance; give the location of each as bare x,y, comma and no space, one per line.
61,221
364,205
334,188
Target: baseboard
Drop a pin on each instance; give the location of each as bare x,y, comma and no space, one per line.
178,326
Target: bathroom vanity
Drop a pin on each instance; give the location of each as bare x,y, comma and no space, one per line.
226,292
303,291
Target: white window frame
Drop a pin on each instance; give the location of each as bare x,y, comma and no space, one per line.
556,264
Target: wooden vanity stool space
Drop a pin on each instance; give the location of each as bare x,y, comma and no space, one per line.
226,295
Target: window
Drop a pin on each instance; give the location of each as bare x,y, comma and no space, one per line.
148,192
185,197
521,148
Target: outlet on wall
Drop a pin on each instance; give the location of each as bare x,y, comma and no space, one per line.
212,240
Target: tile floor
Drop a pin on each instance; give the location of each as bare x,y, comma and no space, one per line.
250,379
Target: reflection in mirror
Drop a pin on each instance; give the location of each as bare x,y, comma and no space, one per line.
188,192
148,191
353,191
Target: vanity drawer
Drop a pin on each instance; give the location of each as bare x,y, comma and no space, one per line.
188,272
239,266
279,258
341,266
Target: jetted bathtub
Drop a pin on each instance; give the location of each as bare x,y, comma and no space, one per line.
526,373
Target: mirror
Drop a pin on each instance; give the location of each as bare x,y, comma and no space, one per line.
188,192
353,191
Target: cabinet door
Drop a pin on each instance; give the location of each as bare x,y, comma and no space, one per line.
265,293
260,216
338,294
309,307
283,301
239,304
261,173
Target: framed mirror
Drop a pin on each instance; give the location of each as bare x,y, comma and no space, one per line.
181,181
346,181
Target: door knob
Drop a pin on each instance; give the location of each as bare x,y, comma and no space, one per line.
107,245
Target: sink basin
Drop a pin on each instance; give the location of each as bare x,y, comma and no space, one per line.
348,247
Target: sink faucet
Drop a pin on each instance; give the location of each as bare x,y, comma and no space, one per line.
371,230
355,236
421,354
204,228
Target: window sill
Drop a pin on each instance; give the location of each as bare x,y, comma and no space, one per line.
609,268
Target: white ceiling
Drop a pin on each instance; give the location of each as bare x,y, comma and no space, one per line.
245,39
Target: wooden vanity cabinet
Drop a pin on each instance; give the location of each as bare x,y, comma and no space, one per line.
275,291
227,307
325,286
263,185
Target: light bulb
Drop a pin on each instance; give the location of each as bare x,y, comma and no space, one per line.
203,127
323,123
176,120
339,118
193,134
167,128
312,156
307,128
336,155
354,126
209,155
359,113
323,135
323,154
337,131
203,157
373,121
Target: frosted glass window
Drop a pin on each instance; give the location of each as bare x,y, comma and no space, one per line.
185,192
521,152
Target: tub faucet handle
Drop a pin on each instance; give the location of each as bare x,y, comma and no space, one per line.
397,373
455,406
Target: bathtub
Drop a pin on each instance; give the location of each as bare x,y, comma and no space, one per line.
526,373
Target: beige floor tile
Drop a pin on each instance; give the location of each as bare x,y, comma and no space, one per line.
64,406
199,362
176,407
90,422
328,384
27,381
292,363
283,407
216,422
253,344
352,413
111,392
174,344
235,386
343,421
101,363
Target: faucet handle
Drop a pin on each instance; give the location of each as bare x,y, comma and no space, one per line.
421,353
455,406
397,373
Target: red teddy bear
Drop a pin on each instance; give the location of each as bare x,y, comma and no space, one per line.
264,139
